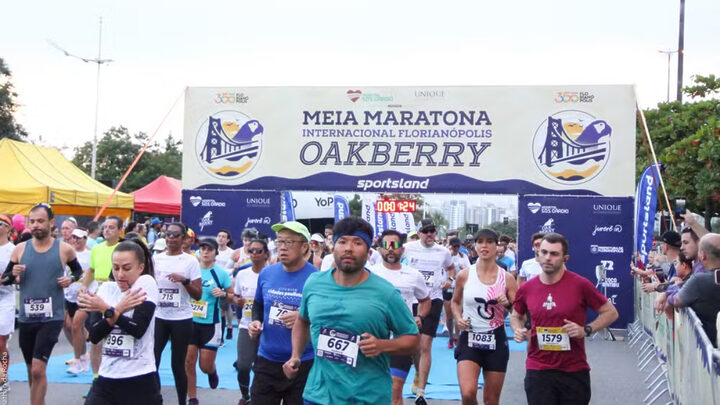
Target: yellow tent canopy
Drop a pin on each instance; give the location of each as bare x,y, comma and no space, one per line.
32,174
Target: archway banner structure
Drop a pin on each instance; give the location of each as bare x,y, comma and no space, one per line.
555,141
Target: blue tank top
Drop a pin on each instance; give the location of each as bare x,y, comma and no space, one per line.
39,287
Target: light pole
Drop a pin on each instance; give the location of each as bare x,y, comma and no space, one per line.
669,54
681,49
99,61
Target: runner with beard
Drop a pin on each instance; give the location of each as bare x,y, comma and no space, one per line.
356,320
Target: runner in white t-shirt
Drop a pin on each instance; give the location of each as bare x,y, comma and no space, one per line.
432,260
411,285
328,262
81,362
7,298
123,320
179,279
245,288
531,267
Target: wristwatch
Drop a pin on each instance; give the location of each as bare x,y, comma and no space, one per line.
186,281
109,313
588,330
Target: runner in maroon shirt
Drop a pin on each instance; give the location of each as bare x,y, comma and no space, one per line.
557,368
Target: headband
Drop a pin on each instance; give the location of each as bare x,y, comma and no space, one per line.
362,235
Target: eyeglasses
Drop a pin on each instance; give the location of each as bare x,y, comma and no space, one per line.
174,234
256,251
432,230
287,242
391,245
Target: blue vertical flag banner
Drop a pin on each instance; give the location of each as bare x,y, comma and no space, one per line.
209,211
645,208
604,237
380,223
342,208
286,207
368,212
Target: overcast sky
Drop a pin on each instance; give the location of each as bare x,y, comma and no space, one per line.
159,47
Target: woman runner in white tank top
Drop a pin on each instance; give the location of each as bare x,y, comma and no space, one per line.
483,294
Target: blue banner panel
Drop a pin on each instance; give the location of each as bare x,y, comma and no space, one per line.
645,207
209,211
600,233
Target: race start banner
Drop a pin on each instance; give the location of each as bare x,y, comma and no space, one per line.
569,140
599,231
209,211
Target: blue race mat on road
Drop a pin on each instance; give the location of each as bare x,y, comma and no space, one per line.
443,381
224,363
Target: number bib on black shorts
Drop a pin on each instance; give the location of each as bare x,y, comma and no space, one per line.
339,346
119,344
169,297
38,308
552,339
481,340
277,310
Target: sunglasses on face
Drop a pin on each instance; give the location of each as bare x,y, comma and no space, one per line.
428,231
174,234
391,245
256,251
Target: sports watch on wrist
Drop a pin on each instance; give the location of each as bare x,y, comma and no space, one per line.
588,330
109,313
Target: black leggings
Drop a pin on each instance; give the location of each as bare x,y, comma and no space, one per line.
143,389
178,332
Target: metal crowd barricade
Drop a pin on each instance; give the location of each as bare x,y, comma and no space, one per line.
679,359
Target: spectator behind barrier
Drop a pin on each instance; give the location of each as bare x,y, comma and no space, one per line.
701,292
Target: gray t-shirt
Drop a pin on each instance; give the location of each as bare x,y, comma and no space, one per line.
702,295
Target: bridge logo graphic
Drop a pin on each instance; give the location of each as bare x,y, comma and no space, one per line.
228,144
572,147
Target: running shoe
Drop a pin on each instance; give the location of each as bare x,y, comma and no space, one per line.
193,401
451,343
420,400
79,366
228,336
213,379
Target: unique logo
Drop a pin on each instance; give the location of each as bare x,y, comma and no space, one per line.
354,95
595,249
229,143
534,207
571,147
206,220
607,229
548,226
195,200
258,202
549,304
607,209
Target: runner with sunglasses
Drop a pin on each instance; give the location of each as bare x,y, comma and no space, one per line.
179,279
245,287
432,260
411,285
483,294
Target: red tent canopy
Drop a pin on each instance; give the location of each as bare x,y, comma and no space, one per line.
162,196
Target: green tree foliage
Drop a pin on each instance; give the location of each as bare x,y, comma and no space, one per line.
8,127
510,229
116,151
686,138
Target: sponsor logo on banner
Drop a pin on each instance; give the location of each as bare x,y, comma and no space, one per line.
206,220
563,97
594,249
257,202
257,221
228,144
534,207
607,209
607,229
205,202
608,265
324,202
612,298
548,226
355,95
428,94
230,98
571,147
610,282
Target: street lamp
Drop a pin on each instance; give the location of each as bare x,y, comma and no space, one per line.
99,61
669,54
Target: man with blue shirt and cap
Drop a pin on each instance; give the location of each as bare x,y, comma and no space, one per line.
275,311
